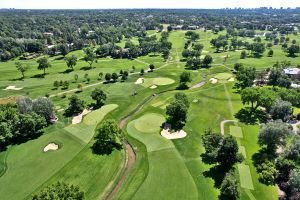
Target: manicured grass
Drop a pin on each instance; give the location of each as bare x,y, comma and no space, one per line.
245,176
81,131
97,116
149,123
242,150
236,131
157,81
223,76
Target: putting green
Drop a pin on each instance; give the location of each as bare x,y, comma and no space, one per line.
236,131
223,76
245,176
157,81
149,123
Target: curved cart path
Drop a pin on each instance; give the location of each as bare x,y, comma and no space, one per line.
222,125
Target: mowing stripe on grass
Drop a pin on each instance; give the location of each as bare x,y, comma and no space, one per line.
236,131
242,150
245,176
250,195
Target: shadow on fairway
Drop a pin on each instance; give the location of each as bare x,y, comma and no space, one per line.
217,173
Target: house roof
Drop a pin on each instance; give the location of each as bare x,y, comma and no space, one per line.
292,71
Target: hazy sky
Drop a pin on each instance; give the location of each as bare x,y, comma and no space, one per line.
95,4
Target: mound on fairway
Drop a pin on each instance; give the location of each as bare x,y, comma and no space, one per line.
245,176
236,131
223,76
149,123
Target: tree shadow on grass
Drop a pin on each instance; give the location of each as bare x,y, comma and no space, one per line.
67,71
107,149
217,173
262,156
247,116
86,68
38,76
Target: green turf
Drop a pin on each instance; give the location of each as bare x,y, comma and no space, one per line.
157,81
236,131
242,150
245,176
223,76
149,123
96,116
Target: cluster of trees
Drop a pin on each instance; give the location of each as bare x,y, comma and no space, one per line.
185,77
177,111
223,153
25,120
76,105
109,137
60,190
281,167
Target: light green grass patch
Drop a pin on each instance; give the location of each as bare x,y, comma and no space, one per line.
149,123
81,131
157,81
245,176
242,150
157,104
223,76
236,131
96,116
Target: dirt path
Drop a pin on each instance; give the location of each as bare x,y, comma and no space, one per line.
222,125
199,85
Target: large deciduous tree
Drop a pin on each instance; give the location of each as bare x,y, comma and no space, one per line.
43,64
99,96
71,61
22,68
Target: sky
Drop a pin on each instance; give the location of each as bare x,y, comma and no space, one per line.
104,4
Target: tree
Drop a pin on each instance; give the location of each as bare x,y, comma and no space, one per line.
75,77
245,77
228,153
44,107
114,76
258,97
151,67
207,61
182,97
55,84
43,64
294,184
177,112
212,143
142,72
22,68
29,126
292,152
71,61
278,78
109,137
258,49
99,96
267,173
76,105
5,133
292,50
229,188
281,110
107,77
243,54
60,191
90,56
165,53
273,134
64,49
185,77
24,105
270,53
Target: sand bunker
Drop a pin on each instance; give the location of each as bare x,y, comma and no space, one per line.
153,87
77,119
171,136
51,146
213,80
231,79
139,81
12,87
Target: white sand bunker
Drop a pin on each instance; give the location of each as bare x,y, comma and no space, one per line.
171,136
12,87
77,119
195,101
139,81
153,87
231,79
213,80
51,146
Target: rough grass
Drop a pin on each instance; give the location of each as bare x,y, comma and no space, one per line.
236,131
245,176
